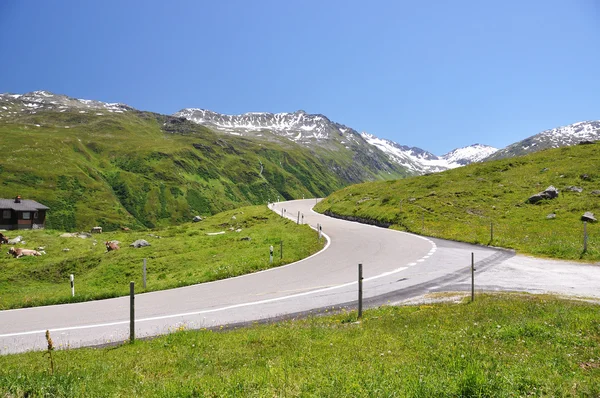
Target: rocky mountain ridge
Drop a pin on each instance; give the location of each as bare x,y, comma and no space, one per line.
569,135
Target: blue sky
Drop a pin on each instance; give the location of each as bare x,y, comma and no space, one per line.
433,74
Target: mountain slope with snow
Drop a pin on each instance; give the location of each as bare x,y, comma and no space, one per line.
569,135
421,161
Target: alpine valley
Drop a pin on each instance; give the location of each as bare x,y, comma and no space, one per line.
96,163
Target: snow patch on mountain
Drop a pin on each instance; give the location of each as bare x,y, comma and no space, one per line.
569,135
421,161
46,100
298,126
469,154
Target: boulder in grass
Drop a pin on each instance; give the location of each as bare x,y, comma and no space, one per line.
197,219
549,193
551,216
588,216
575,189
140,243
595,192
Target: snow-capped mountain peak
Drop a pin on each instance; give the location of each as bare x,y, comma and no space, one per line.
469,154
299,126
45,100
421,161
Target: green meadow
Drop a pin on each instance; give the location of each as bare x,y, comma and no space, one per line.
178,256
485,203
498,346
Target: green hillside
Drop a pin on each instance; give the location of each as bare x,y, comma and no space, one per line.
140,169
462,204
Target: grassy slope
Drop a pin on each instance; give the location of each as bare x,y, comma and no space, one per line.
178,256
461,204
500,346
123,169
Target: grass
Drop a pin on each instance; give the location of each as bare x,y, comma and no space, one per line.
498,346
178,256
463,204
132,169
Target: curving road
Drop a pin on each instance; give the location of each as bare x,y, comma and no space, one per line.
396,265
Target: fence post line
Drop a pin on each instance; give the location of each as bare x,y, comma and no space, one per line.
423,222
131,312
144,273
72,278
271,254
281,250
360,290
585,236
298,217
472,277
491,231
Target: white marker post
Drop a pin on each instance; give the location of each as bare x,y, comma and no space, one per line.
72,285
585,236
144,273
298,222
271,254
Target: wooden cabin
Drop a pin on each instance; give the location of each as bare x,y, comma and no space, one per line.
20,213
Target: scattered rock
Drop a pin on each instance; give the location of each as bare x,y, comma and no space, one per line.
246,238
588,216
126,229
96,230
586,142
197,219
551,216
545,169
231,228
549,193
561,176
15,240
66,249
215,233
233,217
41,248
412,199
595,192
585,177
574,189
238,230
140,243
154,236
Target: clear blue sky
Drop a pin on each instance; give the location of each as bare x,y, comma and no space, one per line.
433,74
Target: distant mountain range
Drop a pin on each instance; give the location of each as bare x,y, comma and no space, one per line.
97,163
317,131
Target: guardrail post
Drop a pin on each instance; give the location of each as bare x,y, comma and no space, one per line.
360,290
131,312
585,236
144,273
472,277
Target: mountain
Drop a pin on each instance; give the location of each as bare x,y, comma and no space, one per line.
96,163
421,161
317,131
569,135
469,154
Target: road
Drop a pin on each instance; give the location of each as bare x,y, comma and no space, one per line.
396,265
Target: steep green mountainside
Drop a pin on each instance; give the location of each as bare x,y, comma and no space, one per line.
140,169
486,203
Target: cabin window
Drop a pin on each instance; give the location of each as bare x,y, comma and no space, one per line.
26,215
6,214
35,215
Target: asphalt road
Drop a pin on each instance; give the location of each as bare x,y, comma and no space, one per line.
396,266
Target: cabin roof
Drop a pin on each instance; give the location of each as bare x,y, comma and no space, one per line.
25,205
